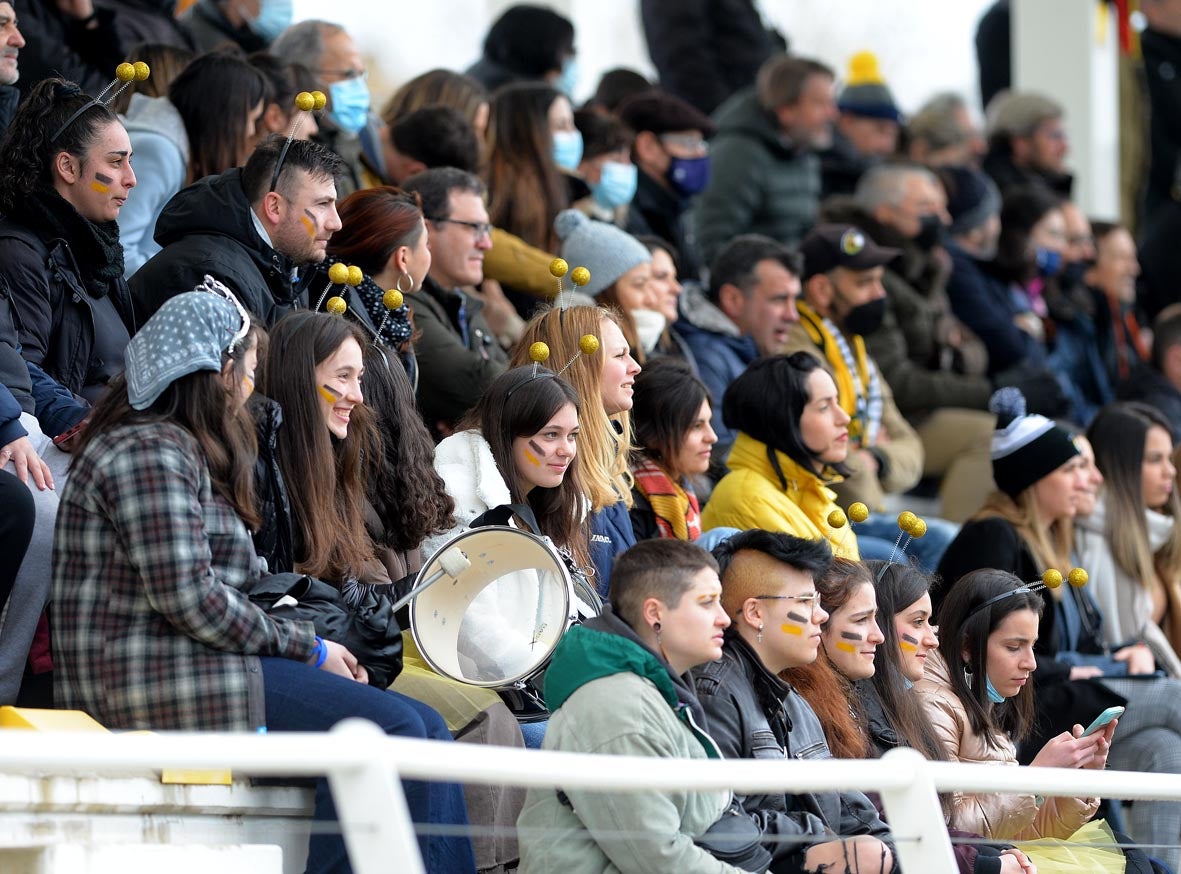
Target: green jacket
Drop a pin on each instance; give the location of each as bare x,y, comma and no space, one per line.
610,694
759,184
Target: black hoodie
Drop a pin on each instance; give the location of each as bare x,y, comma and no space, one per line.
207,229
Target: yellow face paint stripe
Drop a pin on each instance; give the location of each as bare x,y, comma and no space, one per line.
791,629
327,394
907,647
99,187
845,646
531,458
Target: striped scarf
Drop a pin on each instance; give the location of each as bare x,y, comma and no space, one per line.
677,513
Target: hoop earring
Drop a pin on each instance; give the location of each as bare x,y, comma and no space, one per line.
760,632
409,280
656,628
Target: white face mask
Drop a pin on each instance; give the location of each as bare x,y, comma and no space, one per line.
649,325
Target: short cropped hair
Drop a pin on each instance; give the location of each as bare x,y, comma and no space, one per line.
886,184
735,264
660,569
782,78
438,136
312,158
435,186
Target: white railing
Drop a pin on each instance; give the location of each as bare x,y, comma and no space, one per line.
364,767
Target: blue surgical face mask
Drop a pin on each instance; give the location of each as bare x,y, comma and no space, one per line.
274,17
689,176
1048,262
568,80
567,149
993,695
350,104
616,186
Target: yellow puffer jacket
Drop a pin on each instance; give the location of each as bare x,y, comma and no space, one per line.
750,496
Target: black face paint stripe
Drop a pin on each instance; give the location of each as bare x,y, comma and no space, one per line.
910,639
540,452
796,617
104,178
849,635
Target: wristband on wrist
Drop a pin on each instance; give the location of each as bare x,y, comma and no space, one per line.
320,652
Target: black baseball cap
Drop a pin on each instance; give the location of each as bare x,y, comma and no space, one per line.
830,246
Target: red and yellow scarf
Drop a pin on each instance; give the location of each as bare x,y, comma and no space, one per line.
678,514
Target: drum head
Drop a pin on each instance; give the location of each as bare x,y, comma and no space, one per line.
499,621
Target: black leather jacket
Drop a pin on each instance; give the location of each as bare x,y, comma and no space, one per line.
752,714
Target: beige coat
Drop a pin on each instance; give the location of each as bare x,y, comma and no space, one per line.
1005,817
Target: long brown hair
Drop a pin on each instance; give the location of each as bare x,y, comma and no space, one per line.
376,223
605,442
437,88
204,405
325,482
1050,544
526,188
519,403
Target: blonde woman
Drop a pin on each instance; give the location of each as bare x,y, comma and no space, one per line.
604,382
1136,565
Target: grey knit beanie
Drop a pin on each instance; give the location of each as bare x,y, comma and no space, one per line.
603,249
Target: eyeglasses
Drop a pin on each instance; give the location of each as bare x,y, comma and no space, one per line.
694,144
808,600
355,73
479,230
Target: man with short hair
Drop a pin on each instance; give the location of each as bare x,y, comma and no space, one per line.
1027,143
671,153
458,355
11,42
434,136
746,312
766,174
943,133
1158,383
248,228
346,126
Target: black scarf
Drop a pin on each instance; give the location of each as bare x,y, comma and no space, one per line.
95,247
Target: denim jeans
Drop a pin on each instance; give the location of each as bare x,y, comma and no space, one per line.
302,698
877,535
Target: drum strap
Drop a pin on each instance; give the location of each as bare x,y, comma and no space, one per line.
502,514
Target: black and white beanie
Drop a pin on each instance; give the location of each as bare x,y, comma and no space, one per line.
1025,448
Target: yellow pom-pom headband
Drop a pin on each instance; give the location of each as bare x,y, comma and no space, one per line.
340,274
305,102
539,354
125,74
1051,579
858,512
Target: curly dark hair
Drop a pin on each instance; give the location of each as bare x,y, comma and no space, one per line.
29,146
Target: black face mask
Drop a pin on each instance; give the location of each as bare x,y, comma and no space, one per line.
865,319
930,232
1073,272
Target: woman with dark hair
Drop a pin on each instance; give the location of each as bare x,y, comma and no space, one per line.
1135,563
978,698
792,442
531,44
186,136
152,629
65,177
769,593
672,415
384,234
532,147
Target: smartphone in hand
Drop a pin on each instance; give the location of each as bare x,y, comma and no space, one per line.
1102,719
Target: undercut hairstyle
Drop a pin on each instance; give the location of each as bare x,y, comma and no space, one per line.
964,627
660,569
898,586
1118,434
216,128
204,405
303,155
1166,333
746,559
886,184
326,478
767,402
434,188
782,78
605,441
304,42
601,134
735,264
376,222
438,136
437,88
519,403
667,397
29,147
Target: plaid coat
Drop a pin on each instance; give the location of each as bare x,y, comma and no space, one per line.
149,628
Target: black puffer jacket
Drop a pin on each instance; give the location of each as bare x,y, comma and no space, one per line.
752,714
207,229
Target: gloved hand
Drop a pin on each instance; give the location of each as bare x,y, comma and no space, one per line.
1040,386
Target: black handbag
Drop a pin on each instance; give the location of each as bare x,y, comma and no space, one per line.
367,628
737,840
